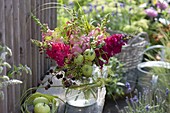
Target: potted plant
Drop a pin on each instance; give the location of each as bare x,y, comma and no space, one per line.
83,54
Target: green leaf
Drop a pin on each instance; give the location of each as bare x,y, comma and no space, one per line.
102,59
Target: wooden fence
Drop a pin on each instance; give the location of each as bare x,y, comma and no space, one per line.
16,30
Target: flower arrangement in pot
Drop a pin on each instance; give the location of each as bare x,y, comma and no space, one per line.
84,57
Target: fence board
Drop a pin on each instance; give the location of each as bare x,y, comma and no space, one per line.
9,42
16,41
34,49
16,31
3,103
42,56
39,38
28,41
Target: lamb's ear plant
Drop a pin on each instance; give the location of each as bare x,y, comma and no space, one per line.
8,77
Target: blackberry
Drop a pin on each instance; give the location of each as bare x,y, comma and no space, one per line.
73,78
47,87
64,79
67,83
65,70
51,82
74,83
47,73
51,70
59,76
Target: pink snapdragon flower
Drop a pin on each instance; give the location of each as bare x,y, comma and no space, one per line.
151,12
48,33
162,5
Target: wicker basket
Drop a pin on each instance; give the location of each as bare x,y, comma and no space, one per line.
131,54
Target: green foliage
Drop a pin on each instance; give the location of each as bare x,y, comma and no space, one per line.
147,102
114,84
14,70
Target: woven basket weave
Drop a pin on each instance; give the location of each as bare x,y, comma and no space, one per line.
131,54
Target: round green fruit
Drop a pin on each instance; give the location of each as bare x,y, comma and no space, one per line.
41,108
40,100
79,59
89,54
87,70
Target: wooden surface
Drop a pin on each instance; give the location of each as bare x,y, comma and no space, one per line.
16,30
65,108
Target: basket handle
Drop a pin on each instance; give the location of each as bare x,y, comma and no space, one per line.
139,35
155,47
152,64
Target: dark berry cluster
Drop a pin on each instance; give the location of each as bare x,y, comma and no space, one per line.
67,81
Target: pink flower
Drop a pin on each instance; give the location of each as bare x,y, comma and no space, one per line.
162,5
94,32
48,33
151,12
76,49
58,52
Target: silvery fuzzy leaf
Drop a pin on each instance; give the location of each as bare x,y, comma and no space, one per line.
6,64
8,50
120,84
1,95
3,55
4,77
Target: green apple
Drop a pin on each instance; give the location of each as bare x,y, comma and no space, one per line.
87,70
40,100
89,54
41,108
79,59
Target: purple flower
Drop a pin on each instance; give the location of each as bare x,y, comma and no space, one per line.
113,13
128,86
122,4
147,107
135,98
162,5
102,8
71,4
151,12
166,92
95,7
90,8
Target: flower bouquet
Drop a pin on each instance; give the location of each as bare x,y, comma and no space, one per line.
84,57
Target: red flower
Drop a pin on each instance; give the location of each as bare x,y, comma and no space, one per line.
112,46
58,52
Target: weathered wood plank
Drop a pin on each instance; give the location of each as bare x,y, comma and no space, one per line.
34,48
16,41
9,42
46,21
38,37
28,41
3,103
23,48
